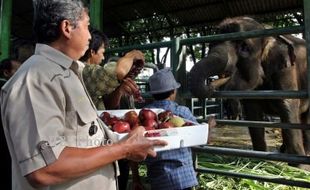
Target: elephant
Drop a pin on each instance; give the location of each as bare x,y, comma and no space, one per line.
260,63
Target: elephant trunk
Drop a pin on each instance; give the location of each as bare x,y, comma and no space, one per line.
214,64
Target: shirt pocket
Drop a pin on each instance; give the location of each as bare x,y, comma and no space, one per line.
85,116
83,129
89,133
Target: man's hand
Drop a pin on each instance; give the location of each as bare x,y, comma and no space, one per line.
128,87
124,64
139,147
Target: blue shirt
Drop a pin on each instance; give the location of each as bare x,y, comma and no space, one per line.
172,169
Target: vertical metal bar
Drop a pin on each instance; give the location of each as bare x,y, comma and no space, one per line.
5,22
1,9
96,14
175,53
307,37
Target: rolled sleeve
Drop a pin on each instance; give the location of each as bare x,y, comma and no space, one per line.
36,161
41,120
100,80
109,78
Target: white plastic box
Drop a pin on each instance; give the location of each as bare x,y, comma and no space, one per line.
176,137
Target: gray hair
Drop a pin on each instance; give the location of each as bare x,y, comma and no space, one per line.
48,15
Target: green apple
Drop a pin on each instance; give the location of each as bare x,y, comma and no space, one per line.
177,121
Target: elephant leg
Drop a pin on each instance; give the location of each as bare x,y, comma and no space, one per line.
292,138
257,134
305,119
295,135
258,138
307,142
293,143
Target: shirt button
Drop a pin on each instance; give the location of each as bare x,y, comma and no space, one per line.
92,129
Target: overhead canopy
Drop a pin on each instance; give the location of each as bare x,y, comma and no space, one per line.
188,13
174,15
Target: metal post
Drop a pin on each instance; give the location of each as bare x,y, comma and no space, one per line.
307,37
5,28
175,53
96,14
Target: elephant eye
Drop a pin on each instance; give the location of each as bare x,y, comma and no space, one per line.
243,49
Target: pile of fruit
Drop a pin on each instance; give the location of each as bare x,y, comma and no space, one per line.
146,117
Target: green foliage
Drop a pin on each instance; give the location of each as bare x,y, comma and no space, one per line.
286,20
250,167
245,166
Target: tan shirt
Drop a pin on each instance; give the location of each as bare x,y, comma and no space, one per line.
46,101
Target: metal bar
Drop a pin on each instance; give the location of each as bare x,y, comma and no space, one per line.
262,94
219,37
1,10
96,14
5,15
174,55
259,124
140,47
307,38
291,158
254,177
257,94
243,35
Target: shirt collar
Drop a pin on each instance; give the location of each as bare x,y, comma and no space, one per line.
54,55
164,102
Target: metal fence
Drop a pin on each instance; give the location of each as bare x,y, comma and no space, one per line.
176,45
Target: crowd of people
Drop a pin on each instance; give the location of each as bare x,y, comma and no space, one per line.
52,137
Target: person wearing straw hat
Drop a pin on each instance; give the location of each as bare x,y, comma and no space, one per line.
172,169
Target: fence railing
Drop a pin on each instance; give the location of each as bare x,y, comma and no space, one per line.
176,45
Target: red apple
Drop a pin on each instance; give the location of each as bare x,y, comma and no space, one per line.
147,114
187,123
112,120
149,124
121,127
149,128
152,134
132,118
165,115
165,125
105,116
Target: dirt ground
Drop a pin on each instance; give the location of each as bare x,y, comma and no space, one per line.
239,137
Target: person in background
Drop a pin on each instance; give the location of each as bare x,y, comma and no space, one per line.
54,135
22,49
107,85
7,69
171,169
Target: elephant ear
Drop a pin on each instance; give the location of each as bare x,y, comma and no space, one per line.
290,49
279,50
